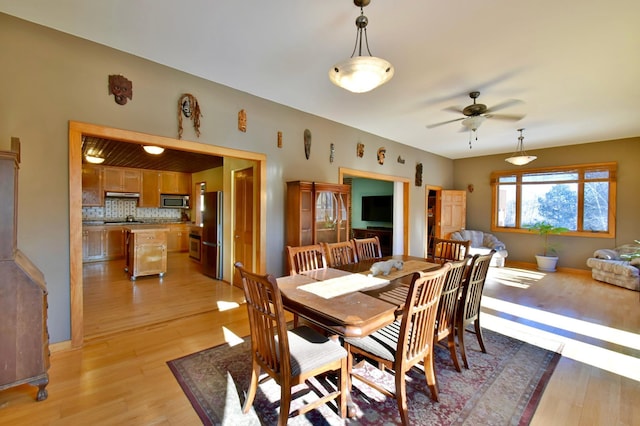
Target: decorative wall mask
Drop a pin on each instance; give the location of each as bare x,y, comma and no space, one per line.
360,150
189,107
332,152
470,187
120,88
382,152
419,174
307,143
242,120
279,139
400,160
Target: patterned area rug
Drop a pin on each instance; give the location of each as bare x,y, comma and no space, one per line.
502,387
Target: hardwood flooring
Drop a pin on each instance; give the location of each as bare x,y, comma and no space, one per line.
121,377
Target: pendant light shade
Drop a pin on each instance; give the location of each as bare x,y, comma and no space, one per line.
360,74
520,157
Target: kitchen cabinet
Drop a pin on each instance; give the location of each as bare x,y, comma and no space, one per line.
92,243
102,243
317,212
175,183
121,179
92,192
150,189
146,251
178,238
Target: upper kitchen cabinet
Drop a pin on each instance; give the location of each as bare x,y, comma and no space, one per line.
175,183
317,212
92,192
150,194
121,179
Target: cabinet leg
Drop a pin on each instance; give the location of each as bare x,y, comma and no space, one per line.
41,384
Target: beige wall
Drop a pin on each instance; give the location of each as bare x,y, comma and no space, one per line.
50,78
574,251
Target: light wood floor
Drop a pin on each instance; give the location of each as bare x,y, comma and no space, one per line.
122,378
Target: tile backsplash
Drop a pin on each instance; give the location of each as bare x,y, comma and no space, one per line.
117,208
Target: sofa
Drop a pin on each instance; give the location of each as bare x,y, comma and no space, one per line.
617,266
483,243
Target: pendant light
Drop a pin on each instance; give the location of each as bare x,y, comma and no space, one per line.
520,157
361,74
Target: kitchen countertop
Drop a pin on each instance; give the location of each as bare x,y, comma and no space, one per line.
109,222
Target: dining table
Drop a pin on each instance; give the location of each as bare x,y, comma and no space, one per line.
348,300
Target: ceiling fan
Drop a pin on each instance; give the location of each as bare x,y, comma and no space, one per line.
476,113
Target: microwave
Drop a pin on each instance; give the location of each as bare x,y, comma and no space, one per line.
172,201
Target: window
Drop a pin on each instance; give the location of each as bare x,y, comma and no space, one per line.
580,198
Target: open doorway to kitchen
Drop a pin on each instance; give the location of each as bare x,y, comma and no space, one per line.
76,133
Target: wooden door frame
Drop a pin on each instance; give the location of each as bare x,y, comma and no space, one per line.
344,172
76,132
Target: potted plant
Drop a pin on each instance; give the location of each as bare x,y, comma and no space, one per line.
547,260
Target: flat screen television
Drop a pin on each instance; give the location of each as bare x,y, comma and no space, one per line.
377,208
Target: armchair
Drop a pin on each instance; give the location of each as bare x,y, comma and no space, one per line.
483,243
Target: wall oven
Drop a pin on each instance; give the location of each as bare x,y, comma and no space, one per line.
195,246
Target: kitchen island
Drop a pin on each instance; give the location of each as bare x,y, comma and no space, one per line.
145,250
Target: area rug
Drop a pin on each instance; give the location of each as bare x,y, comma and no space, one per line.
501,387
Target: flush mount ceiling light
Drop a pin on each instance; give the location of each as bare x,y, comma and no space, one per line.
155,150
93,159
520,157
361,74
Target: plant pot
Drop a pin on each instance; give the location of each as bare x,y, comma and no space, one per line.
546,263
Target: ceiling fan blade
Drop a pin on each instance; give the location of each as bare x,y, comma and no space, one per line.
503,105
508,117
457,109
431,126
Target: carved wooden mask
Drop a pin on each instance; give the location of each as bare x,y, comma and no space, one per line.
120,88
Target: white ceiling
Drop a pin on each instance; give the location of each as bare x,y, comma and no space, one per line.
574,64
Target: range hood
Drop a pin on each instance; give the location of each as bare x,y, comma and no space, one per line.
110,194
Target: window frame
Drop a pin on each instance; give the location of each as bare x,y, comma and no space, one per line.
581,169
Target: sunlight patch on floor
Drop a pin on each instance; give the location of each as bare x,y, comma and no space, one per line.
223,305
597,331
231,338
513,277
604,359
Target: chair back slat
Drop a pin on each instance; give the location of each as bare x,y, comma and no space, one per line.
267,322
306,258
473,285
368,248
341,253
449,250
445,319
419,315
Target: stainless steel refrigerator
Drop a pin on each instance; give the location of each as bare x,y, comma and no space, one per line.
212,235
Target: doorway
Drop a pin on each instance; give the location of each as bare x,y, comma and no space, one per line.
76,131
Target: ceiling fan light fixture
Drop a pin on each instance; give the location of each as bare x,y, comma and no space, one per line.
520,157
473,122
360,74
152,149
94,159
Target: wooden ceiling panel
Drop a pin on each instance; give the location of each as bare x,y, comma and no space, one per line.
126,154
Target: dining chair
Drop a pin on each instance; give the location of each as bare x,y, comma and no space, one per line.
290,357
340,253
469,303
368,248
407,341
446,317
306,258
449,250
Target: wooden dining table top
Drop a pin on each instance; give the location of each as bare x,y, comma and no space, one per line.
348,300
